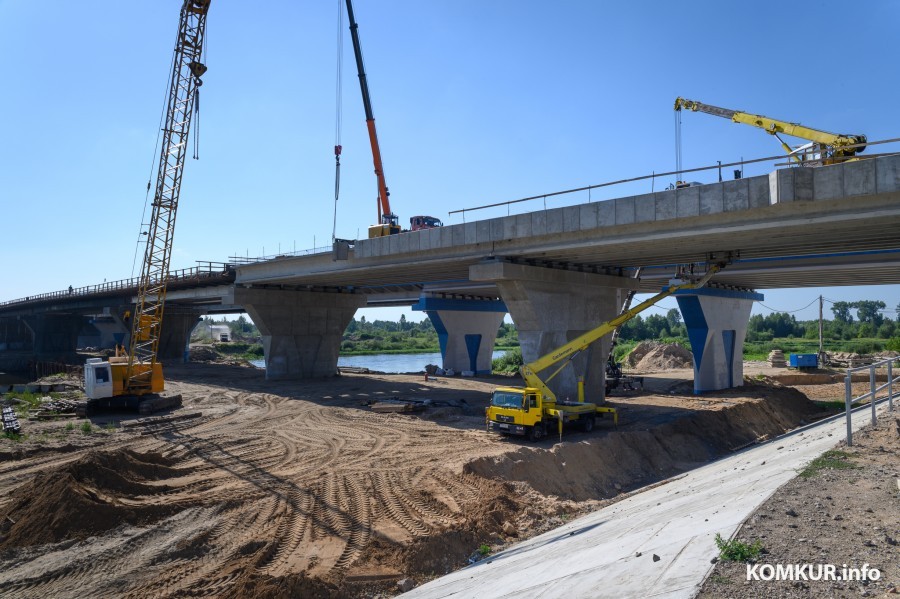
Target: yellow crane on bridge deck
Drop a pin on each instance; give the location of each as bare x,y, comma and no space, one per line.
823,147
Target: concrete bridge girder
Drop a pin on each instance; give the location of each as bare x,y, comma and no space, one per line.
301,330
551,307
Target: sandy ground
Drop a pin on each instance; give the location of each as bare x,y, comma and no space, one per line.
299,489
838,516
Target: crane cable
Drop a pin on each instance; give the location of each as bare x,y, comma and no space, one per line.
677,147
338,92
197,84
153,162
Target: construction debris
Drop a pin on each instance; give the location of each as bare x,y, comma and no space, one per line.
54,408
776,359
396,407
353,370
11,422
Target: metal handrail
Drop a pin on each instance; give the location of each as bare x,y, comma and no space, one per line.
205,271
849,400
245,260
654,176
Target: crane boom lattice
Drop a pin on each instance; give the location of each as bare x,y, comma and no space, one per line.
187,69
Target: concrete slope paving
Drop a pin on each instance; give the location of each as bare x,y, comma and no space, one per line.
656,543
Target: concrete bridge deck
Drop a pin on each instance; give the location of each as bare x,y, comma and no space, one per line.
834,225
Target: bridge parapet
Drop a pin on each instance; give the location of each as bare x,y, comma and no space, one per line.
207,273
711,202
690,202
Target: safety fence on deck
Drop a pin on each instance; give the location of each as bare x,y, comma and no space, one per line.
204,272
872,394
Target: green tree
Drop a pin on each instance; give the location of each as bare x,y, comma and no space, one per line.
869,311
674,318
887,329
841,311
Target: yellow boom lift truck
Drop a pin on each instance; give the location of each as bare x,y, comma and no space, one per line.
534,410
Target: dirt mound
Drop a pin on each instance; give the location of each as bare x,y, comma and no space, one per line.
653,355
599,468
204,353
94,494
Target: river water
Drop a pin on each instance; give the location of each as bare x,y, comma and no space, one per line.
388,362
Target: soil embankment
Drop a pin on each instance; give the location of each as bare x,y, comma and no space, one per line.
603,466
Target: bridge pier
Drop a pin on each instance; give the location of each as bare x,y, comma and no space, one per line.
466,330
301,330
55,335
111,326
716,321
16,345
15,335
175,334
552,307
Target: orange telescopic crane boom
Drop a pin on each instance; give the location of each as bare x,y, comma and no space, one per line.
387,220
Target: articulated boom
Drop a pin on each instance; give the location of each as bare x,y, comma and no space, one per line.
147,319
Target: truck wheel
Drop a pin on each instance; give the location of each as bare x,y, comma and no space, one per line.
536,432
587,424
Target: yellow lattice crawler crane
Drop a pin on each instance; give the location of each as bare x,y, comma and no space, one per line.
137,373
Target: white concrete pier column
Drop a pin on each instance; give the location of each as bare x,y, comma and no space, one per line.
716,321
466,328
550,307
301,330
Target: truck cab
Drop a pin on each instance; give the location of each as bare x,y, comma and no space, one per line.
98,382
525,411
389,226
417,223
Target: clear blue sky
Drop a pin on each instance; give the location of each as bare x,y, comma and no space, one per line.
476,102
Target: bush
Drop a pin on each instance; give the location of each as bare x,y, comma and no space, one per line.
508,362
86,428
737,551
